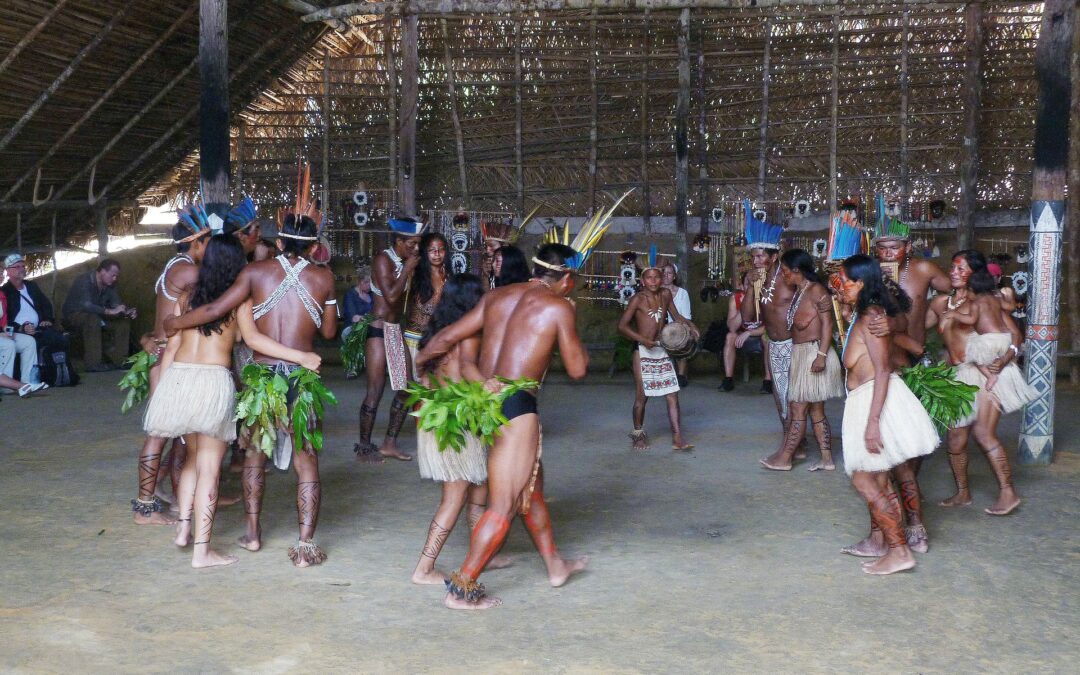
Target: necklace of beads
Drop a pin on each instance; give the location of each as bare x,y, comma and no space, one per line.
951,306
904,272
793,308
767,294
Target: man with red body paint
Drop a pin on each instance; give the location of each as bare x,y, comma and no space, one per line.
520,324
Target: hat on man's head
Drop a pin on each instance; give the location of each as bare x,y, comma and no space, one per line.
13,259
889,228
407,226
760,234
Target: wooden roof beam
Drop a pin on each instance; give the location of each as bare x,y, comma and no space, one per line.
338,24
509,6
29,37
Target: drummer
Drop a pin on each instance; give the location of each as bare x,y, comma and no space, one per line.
654,372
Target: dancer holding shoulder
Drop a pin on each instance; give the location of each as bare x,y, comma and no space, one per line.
884,423
196,396
815,375
654,372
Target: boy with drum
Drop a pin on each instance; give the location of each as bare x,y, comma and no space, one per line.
654,373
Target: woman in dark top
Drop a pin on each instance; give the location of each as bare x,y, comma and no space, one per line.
358,300
510,266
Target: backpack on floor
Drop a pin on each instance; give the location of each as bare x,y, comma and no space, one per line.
55,368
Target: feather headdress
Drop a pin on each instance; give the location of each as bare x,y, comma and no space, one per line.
760,234
653,264
198,221
506,233
845,236
304,207
241,215
889,227
586,240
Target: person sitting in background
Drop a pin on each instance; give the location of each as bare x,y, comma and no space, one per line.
510,266
93,307
740,337
682,303
8,349
19,321
358,300
31,312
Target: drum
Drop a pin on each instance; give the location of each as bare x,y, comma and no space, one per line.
679,341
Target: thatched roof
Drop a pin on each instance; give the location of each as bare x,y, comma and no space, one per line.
555,60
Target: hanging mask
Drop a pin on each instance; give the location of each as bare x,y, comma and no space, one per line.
360,198
1023,255
819,248
937,209
718,214
802,208
459,263
459,241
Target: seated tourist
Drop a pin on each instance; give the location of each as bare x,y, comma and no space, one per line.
9,346
93,308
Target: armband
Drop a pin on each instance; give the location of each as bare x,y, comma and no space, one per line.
330,302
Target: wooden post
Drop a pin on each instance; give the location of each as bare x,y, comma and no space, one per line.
101,216
1072,286
905,88
519,148
1047,220
763,126
834,110
644,107
594,111
52,247
410,89
326,206
682,111
703,150
391,107
214,105
971,94
241,137
459,140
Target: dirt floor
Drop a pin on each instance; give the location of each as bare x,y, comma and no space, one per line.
699,562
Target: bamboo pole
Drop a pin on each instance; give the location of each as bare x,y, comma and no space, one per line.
459,141
644,121
241,133
703,153
1047,220
971,94
29,37
410,100
905,88
214,105
833,111
519,151
66,73
763,131
52,247
326,133
682,110
391,104
593,112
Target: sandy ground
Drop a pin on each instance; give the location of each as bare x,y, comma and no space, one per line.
700,562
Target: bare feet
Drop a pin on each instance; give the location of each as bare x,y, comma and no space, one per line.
640,440
775,462
679,445
250,543
306,554
390,449
917,539
896,560
499,562
871,547
454,602
432,577
800,452
228,500
822,466
958,499
158,518
560,569
366,453
1006,503
212,559
183,533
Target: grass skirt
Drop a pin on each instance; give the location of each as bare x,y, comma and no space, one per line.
193,398
470,464
1011,391
805,386
906,430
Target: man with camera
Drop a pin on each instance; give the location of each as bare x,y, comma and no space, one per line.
93,308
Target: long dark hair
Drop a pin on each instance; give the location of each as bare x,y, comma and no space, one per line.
798,260
861,267
425,289
980,281
460,294
514,268
222,262
301,226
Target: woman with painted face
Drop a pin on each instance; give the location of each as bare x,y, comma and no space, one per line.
983,343
814,376
428,281
884,423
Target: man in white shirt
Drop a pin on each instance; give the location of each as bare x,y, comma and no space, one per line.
28,310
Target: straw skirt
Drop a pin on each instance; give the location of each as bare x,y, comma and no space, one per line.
449,465
1011,391
805,386
193,398
906,429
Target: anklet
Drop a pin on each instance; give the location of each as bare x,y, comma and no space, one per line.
146,507
468,590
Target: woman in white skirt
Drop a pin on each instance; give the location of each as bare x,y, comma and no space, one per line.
884,423
463,474
196,397
815,375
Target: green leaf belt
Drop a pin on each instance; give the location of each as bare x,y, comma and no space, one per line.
263,406
451,409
